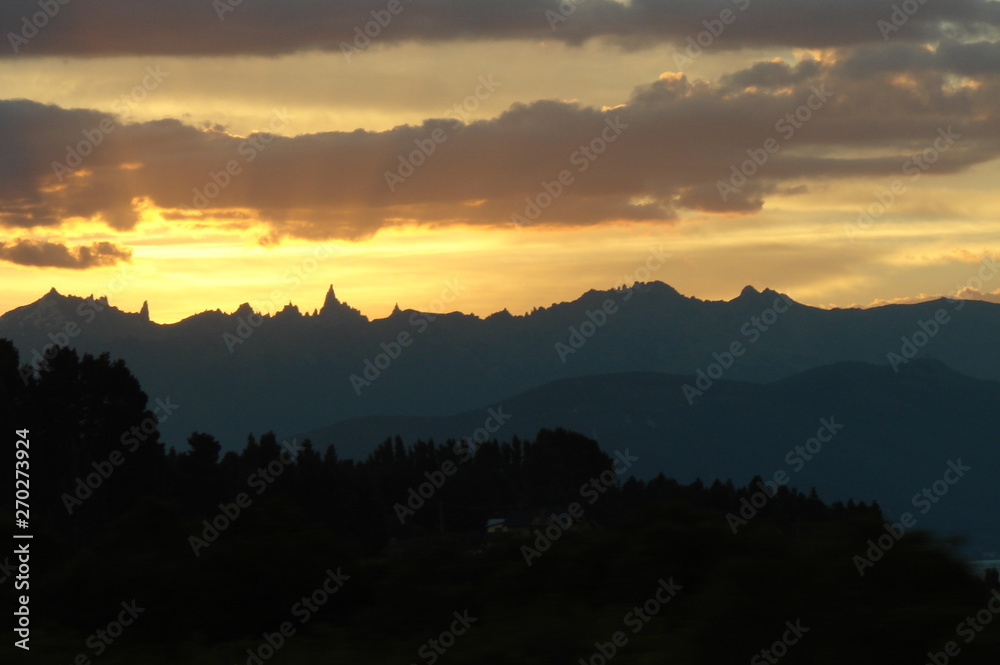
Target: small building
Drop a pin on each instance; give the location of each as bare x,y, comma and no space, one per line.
519,522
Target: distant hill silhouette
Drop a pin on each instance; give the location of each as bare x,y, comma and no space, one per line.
899,432
235,545
240,372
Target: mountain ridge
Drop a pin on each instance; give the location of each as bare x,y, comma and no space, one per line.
331,303
246,372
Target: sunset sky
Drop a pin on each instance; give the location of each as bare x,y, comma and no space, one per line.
199,155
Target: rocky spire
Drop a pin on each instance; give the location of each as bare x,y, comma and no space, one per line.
334,311
330,303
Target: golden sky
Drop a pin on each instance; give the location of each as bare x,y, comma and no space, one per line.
261,155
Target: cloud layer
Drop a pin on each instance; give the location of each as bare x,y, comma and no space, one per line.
228,27
42,254
774,128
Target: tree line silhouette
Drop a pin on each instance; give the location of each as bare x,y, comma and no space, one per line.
218,547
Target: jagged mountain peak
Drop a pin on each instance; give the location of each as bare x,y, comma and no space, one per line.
244,310
338,312
330,302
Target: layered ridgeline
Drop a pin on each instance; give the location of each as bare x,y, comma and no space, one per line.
920,441
292,372
546,545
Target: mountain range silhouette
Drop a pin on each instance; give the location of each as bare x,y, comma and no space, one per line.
709,389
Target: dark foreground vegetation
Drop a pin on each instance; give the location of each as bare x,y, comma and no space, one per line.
223,553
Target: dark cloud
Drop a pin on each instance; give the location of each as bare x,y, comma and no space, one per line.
981,58
200,27
771,75
42,254
665,150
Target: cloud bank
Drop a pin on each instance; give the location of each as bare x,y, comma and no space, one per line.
719,147
262,27
43,254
